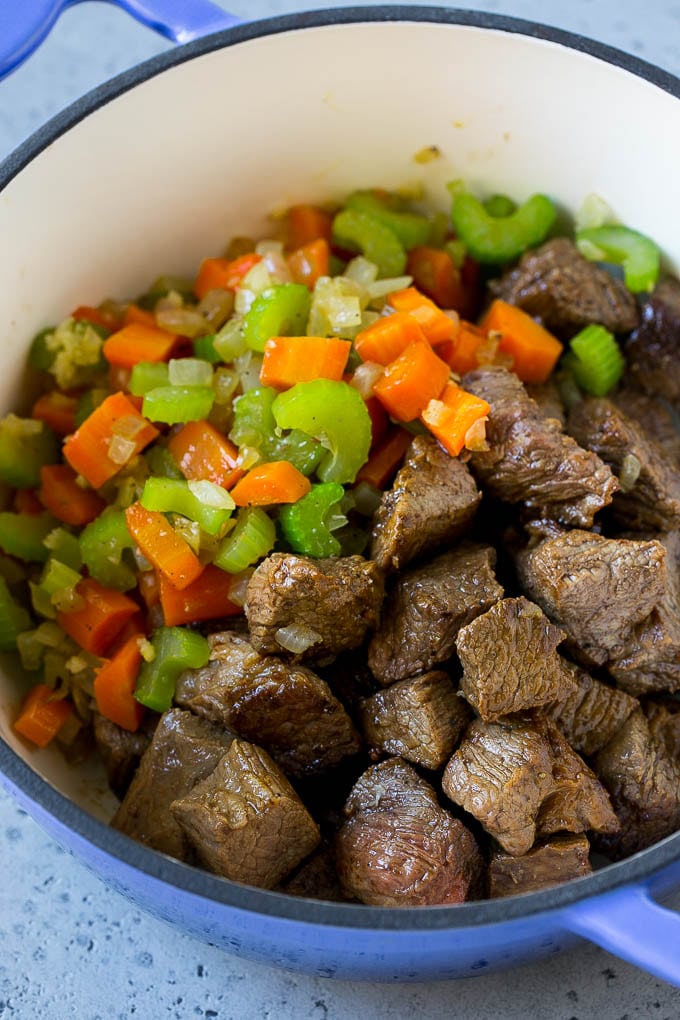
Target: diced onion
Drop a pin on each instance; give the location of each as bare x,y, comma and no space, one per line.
475,437
249,366
225,383
238,587
248,456
381,288
296,638
190,531
120,449
365,377
183,321
216,307
361,270
128,426
593,212
146,649
211,494
630,472
190,372
343,312
230,342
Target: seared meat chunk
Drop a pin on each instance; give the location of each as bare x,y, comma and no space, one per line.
556,284
663,717
245,821
530,461
644,785
557,860
421,720
510,661
431,503
316,878
289,710
653,362
184,750
120,750
426,607
547,396
650,498
590,715
399,847
332,602
597,589
654,417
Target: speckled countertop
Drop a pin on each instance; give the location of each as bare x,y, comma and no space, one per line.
71,948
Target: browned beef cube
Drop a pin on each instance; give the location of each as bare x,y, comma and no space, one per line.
426,607
644,785
245,821
556,284
557,860
547,396
649,497
663,717
120,750
431,503
590,716
510,660
317,878
399,847
597,589
501,774
184,750
653,363
289,710
654,416
332,603
421,720
530,461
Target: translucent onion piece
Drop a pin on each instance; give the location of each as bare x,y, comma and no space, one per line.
211,495
190,531
365,377
183,321
216,307
239,587
225,382
190,372
475,437
593,212
128,426
630,472
296,638
381,288
361,270
120,449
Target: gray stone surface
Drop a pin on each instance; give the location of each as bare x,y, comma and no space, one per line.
71,948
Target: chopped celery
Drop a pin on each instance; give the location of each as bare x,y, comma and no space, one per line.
499,206
147,375
358,230
25,446
252,538
65,547
278,311
410,228
103,544
24,536
170,495
308,525
161,462
595,360
497,239
14,619
255,427
57,577
190,372
175,404
176,649
204,347
638,254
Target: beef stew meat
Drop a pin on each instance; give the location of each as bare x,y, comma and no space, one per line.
420,720
509,659
663,717
399,847
557,859
287,709
557,285
654,416
317,878
120,750
245,821
432,502
530,460
549,400
332,603
425,608
652,353
591,713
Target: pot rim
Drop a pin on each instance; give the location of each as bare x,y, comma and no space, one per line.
192,880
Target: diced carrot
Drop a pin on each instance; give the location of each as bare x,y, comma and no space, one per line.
411,381
307,223
451,416
435,274
58,410
138,342
437,326
133,313
101,617
97,317
533,349
461,353
382,465
27,501
274,482
114,686
149,587
293,359
42,715
310,261
87,450
223,274
387,337
204,454
162,545
65,499
206,598
379,420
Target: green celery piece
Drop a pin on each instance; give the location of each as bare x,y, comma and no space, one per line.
25,446
24,535
410,228
14,619
177,404
595,360
335,414
308,525
254,425
204,348
500,206
103,543
57,576
637,254
252,538
282,310
176,649
171,495
380,245
147,375
161,462
40,357
65,547
41,601
497,239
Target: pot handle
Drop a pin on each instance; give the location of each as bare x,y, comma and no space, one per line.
630,924
24,24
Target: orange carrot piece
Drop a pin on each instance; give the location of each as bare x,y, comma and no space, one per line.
275,482
310,261
138,342
461,353
388,337
26,501
114,686
133,313
204,454
437,326
223,274
533,349
206,598
162,545
383,464
293,359
307,223
95,316
451,416
58,410
435,274
87,450
411,381
65,499
42,715
101,617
